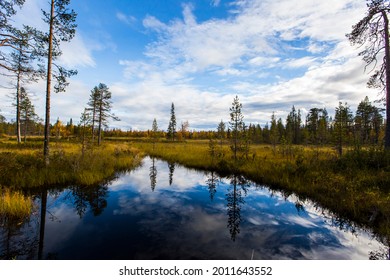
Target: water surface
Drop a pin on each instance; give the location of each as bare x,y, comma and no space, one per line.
166,211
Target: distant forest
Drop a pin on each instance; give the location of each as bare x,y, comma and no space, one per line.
364,127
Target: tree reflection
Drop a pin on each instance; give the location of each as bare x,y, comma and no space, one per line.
212,182
14,242
94,196
153,175
171,167
299,206
42,222
234,197
382,254
79,201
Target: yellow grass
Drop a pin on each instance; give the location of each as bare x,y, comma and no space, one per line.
15,205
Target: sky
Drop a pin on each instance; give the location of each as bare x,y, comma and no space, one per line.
200,54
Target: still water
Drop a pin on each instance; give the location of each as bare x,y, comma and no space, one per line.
166,211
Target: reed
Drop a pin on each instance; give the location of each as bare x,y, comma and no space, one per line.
14,205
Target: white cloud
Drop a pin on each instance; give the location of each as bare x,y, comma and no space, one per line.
129,20
31,14
137,104
75,53
153,23
307,61
252,33
264,61
215,3
255,51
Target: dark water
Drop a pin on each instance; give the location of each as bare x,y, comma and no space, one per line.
164,211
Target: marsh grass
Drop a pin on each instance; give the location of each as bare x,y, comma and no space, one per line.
355,186
25,168
14,205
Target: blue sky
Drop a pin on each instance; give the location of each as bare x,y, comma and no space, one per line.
200,54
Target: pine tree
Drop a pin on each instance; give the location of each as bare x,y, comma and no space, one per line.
221,131
342,124
373,32
237,126
274,133
84,129
93,105
62,28
317,125
293,126
8,8
103,109
27,111
22,67
368,120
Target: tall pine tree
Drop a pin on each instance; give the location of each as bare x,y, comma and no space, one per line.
62,28
372,32
237,128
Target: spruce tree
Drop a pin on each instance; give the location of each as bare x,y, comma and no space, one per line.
154,132
171,132
221,132
342,124
27,111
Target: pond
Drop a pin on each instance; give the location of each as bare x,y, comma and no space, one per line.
166,211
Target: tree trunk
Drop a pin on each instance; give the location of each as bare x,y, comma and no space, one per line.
25,127
387,61
18,136
48,87
100,120
93,123
42,223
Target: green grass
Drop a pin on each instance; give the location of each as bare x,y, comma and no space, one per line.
355,187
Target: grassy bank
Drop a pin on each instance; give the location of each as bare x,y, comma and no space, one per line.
22,166
14,205
356,186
